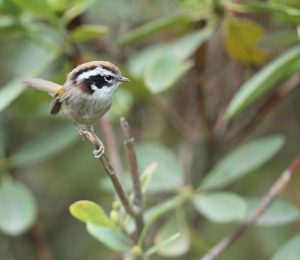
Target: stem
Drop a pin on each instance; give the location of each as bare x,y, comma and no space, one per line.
269,197
111,143
40,241
93,138
138,195
263,111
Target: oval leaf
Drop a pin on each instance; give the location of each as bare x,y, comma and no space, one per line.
279,213
169,244
90,212
18,208
221,207
88,32
185,46
242,161
112,238
138,62
44,146
164,71
290,250
263,81
168,175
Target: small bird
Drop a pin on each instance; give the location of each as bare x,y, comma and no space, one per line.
86,95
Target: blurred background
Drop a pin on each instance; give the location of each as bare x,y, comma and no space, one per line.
213,104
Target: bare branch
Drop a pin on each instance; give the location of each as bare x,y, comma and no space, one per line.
110,171
269,197
111,143
287,88
138,196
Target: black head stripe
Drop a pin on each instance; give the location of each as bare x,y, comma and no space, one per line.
96,80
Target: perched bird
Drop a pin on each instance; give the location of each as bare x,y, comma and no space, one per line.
86,95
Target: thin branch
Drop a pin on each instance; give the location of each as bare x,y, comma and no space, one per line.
111,143
287,88
138,196
92,137
43,249
269,197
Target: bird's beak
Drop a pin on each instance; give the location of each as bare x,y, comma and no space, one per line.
123,79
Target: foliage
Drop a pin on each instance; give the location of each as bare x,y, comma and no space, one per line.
211,68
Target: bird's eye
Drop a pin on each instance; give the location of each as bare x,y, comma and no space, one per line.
108,78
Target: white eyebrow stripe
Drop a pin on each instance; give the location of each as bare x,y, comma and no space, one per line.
94,72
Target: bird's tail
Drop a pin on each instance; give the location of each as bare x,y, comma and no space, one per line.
44,85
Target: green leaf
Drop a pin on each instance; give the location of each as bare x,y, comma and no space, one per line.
162,208
44,146
153,27
168,175
77,7
36,7
263,81
185,46
220,207
147,175
285,12
88,32
279,213
164,72
90,212
18,210
290,250
168,244
152,250
57,5
182,48
112,238
242,161
138,62
9,93
241,40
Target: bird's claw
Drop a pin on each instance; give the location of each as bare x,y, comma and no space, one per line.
99,152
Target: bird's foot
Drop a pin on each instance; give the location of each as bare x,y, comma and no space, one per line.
99,152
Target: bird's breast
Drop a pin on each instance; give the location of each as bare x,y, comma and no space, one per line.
85,108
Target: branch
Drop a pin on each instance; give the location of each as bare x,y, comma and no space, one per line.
287,88
269,197
138,196
111,143
92,137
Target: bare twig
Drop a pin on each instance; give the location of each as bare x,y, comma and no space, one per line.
111,143
288,87
138,196
40,241
110,171
269,197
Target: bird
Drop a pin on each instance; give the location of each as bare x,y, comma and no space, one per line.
86,94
